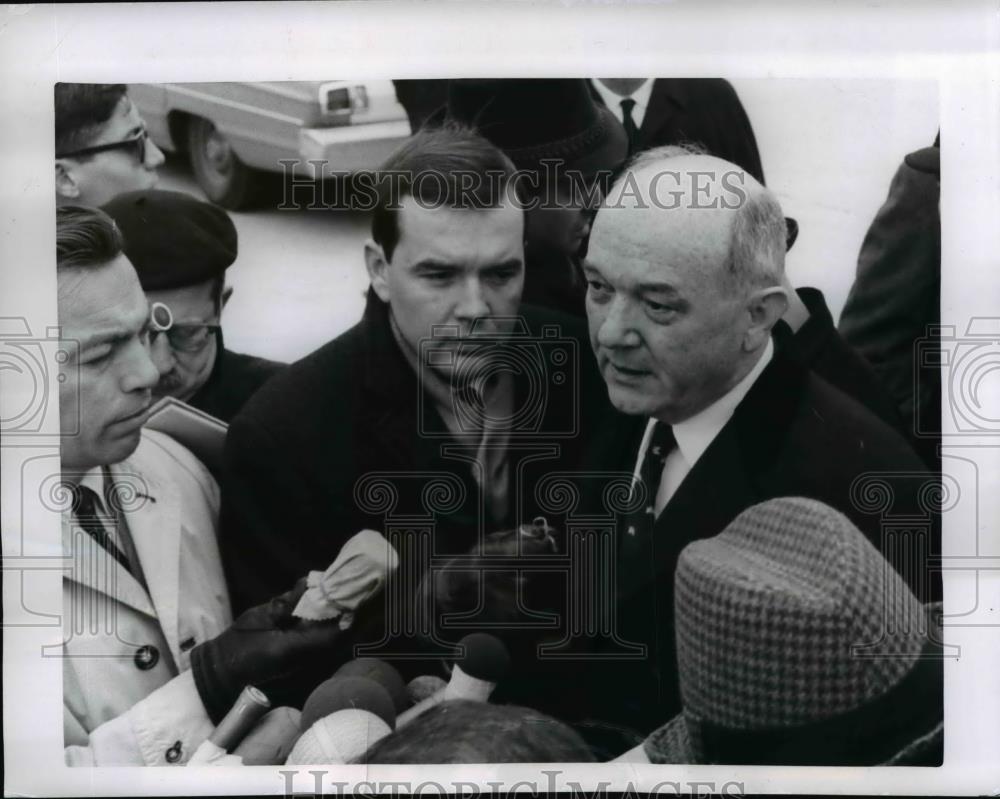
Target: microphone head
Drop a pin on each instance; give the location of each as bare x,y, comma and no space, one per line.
338,738
485,657
341,693
273,737
424,686
382,673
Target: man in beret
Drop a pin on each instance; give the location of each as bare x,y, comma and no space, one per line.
102,146
181,248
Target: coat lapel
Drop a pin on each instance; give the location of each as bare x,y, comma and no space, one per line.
155,526
664,105
95,569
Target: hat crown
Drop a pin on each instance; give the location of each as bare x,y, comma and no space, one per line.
768,611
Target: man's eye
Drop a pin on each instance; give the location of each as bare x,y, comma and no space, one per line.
98,357
502,276
598,287
659,309
437,277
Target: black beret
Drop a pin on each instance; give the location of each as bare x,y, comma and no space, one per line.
173,239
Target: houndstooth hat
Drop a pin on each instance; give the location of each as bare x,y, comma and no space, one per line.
798,644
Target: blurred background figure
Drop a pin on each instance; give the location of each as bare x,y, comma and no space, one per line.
569,147
704,111
463,731
783,652
895,298
102,147
181,248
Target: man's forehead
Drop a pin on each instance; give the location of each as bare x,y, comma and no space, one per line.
443,230
100,299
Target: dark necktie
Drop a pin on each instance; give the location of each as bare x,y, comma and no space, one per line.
636,553
91,521
629,123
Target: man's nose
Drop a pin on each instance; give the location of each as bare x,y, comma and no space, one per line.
141,372
472,303
162,354
615,328
154,155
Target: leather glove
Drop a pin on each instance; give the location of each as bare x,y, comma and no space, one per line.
269,648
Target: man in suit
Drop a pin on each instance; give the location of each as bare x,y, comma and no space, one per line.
431,419
181,248
685,293
102,147
704,111
151,658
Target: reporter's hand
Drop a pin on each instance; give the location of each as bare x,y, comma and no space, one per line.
267,647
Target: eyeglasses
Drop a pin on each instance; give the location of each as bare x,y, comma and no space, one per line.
137,144
183,337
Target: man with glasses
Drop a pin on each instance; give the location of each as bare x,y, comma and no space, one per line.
102,147
181,248
151,657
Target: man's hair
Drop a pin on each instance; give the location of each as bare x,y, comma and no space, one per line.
448,166
463,731
85,237
758,240
82,109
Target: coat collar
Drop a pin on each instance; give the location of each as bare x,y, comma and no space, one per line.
151,510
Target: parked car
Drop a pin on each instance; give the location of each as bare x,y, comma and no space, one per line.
234,132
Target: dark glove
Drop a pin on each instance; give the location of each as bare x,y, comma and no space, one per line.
269,648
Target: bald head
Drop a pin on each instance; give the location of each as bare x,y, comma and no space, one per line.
674,202
684,270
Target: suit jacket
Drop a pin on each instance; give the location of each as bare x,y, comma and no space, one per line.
128,695
896,295
706,111
234,379
792,435
346,439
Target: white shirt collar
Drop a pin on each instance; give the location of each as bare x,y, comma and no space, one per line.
613,100
695,434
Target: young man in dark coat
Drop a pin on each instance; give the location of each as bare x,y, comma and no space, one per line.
716,416
181,247
431,419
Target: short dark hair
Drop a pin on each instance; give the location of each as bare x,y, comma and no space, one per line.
449,152
82,109
463,731
85,237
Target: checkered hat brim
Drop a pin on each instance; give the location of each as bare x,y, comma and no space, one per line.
767,613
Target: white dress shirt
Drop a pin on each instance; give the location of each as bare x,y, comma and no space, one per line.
614,101
695,434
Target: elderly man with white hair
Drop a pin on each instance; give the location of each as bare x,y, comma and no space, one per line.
686,288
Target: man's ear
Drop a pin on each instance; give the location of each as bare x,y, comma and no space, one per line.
377,265
766,307
66,180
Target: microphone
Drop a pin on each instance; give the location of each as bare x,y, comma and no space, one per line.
246,711
382,673
473,676
419,688
342,693
270,741
338,738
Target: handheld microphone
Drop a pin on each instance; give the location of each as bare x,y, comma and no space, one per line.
419,688
341,693
382,673
473,676
338,738
270,741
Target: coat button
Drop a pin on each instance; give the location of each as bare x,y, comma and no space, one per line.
173,753
146,657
